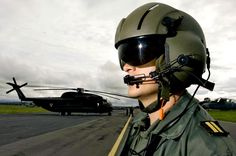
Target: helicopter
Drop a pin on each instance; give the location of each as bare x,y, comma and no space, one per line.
219,103
78,100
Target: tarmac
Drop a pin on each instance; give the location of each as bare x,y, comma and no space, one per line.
229,127
90,135
51,134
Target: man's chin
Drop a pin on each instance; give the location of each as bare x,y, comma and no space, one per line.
133,92
133,96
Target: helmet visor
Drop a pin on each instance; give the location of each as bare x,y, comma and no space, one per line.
140,50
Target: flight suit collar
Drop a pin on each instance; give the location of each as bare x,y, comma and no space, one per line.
174,122
177,118
140,121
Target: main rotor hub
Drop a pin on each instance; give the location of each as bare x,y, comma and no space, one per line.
80,90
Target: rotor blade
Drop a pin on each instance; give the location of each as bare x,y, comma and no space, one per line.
10,91
38,86
76,89
38,89
83,90
14,80
23,85
95,91
109,96
42,86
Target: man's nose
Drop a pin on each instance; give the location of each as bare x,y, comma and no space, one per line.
127,68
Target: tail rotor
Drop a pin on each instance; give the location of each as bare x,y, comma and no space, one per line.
17,87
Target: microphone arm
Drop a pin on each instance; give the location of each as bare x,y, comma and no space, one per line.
183,60
140,78
136,79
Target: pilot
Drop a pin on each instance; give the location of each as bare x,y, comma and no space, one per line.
163,51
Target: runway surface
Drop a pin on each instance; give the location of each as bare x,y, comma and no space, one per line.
50,134
229,127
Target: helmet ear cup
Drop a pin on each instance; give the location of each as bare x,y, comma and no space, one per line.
188,44
175,85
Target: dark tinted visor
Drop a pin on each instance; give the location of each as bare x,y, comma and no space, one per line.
140,50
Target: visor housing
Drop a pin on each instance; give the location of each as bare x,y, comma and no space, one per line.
140,50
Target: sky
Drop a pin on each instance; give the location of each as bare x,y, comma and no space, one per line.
70,43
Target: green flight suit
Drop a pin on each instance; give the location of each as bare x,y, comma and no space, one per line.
183,132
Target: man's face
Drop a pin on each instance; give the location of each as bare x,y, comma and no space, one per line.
146,90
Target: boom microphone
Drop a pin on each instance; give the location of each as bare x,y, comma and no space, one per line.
135,79
183,60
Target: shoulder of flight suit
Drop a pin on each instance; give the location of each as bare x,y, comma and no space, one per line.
207,137
187,136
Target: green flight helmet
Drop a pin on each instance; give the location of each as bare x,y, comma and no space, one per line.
155,30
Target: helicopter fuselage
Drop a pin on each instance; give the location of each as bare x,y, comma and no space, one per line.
68,102
75,102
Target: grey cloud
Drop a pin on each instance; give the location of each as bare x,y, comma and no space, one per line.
110,78
228,85
41,43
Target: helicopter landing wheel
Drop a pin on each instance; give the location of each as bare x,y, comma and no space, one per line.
63,113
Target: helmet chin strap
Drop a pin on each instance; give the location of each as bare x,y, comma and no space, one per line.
163,85
157,105
163,90
153,106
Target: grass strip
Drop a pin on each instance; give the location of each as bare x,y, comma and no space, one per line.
229,115
14,109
